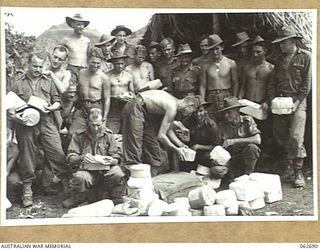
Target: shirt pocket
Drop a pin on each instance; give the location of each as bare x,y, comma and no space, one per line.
297,69
45,89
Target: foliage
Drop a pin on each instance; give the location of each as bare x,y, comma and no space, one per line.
18,46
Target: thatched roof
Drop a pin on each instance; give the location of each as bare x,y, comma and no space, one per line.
190,27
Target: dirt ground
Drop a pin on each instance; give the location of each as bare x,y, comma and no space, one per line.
295,202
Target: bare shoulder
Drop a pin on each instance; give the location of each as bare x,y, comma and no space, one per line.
86,39
147,64
270,65
231,62
103,76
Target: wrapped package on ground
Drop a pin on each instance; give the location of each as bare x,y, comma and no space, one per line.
253,109
271,185
220,155
196,212
212,182
178,209
257,203
140,171
247,190
272,195
157,208
101,208
233,209
183,200
214,210
126,209
226,198
139,183
202,196
172,185
142,205
244,177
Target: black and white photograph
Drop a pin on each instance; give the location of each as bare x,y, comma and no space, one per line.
158,115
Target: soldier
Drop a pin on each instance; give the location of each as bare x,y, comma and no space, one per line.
291,78
156,58
60,76
142,136
36,84
141,70
255,78
206,55
218,78
94,92
105,44
94,140
121,33
77,44
121,89
185,77
171,62
240,136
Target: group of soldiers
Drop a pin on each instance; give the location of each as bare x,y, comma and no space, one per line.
98,92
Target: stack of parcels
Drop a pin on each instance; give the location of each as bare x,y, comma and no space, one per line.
140,188
257,188
282,105
253,109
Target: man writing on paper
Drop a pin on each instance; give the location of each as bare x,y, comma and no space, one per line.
94,145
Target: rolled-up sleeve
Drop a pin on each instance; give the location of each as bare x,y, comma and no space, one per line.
55,97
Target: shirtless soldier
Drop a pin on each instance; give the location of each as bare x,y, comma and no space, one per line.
218,77
77,44
141,139
255,78
141,70
94,92
59,75
121,88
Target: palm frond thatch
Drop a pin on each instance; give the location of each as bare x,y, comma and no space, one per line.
301,21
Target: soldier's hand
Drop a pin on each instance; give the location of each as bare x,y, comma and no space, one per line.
19,119
195,147
295,105
227,143
181,155
88,158
49,108
47,72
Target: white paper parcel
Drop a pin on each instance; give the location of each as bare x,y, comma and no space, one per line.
220,155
